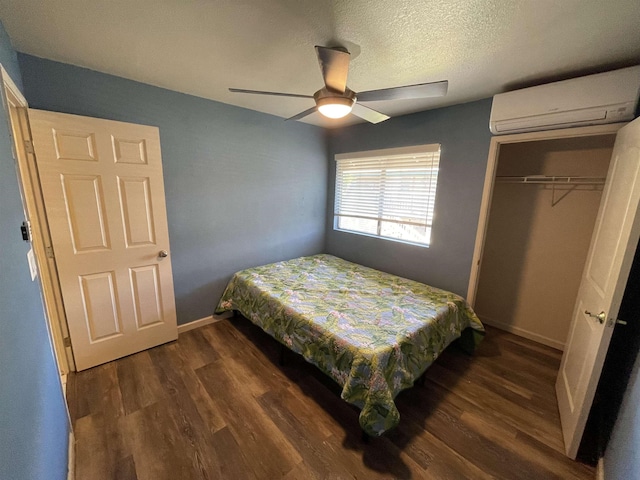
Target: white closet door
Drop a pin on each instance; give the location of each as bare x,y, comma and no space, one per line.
104,197
613,245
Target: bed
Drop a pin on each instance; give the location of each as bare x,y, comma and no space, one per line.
373,333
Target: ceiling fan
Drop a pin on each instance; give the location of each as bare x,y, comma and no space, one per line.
336,100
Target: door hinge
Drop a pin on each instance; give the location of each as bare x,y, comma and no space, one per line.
25,230
49,251
28,146
66,341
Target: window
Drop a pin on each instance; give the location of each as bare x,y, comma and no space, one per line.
388,193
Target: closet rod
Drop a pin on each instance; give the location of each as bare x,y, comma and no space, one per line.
552,180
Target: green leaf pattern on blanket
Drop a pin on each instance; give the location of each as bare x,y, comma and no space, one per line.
372,332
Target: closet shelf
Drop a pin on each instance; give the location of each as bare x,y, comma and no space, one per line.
552,180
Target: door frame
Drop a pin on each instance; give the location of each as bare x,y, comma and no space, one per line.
490,176
33,204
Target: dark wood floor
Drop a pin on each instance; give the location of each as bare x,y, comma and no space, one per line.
216,404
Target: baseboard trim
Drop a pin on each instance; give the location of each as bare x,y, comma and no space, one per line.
524,333
63,380
600,469
71,465
202,322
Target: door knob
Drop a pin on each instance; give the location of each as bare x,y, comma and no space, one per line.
601,317
163,254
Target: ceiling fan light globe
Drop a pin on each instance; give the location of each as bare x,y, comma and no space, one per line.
334,110
335,107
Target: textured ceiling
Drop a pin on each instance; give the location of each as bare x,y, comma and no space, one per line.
202,47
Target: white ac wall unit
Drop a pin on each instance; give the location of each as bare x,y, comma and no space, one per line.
602,98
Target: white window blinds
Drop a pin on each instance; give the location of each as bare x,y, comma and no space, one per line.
388,193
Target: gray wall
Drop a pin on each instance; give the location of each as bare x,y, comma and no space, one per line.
463,132
33,417
242,188
616,412
621,460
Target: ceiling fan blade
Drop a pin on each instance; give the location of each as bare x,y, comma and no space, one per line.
334,64
277,94
421,90
368,114
302,114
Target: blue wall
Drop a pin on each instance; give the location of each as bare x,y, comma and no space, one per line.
242,188
33,417
463,132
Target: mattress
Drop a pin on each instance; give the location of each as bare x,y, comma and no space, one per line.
373,333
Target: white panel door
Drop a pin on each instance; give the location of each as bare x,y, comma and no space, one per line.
104,197
604,278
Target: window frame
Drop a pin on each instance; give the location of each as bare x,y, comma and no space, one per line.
389,154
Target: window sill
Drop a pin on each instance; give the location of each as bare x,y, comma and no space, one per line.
380,237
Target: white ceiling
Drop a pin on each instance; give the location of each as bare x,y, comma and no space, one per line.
202,47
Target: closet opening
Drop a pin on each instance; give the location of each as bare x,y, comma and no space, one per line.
546,196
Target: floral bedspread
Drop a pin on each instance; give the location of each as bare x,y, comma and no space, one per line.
372,332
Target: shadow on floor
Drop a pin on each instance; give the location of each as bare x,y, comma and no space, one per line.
416,404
